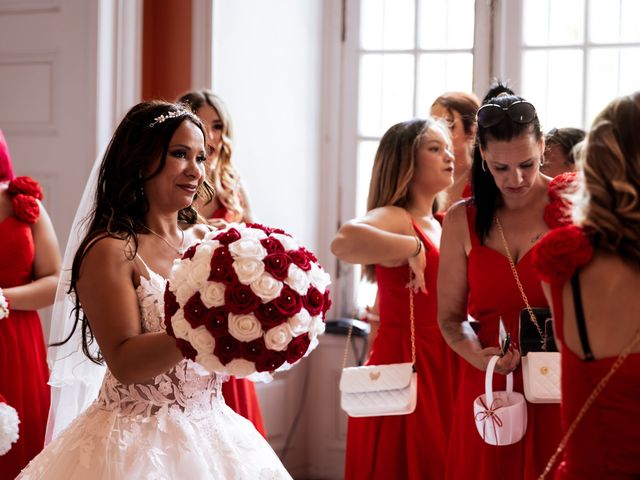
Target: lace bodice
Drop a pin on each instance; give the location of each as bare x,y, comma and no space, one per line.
187,386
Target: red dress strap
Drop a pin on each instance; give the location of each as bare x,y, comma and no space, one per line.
471,223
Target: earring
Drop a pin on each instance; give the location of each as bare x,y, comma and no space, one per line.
541,161
483,164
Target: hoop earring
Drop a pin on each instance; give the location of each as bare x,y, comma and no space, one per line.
483,164
542,161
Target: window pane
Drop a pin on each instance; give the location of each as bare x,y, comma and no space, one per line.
553,22
629,29
385,93
387,24
604,21
552,81
366,155
448,24
439,73
612,72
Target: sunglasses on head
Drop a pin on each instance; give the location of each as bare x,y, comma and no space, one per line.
520,111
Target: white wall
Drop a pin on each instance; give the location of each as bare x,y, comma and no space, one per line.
266,67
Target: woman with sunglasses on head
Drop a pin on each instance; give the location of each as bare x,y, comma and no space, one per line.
560,150
229,204
592,275
398,242
458,110
510,199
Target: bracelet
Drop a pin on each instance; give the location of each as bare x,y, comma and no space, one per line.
418,247
4,306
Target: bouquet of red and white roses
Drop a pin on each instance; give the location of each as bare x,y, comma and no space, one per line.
246,299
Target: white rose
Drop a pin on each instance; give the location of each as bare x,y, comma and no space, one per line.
278,338
247,248
180,325
245,327
248,269
212,294
210,362
202,340
298,279
204,252
255,233
198,272
266,287
314,343
178,274
317,326
287,242
240,368
300,322
184,292
319,278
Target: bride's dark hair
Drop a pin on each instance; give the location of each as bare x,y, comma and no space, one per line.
120,204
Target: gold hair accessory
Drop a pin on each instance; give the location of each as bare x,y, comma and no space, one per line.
166,116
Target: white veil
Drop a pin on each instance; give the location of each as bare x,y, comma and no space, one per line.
75,380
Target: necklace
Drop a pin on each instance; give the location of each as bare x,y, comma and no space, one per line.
180,250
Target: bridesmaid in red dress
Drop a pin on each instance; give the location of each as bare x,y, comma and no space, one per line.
230,204
29,269
476,278
398,239
593,278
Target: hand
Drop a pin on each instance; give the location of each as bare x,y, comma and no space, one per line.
218,223
417,265
507,363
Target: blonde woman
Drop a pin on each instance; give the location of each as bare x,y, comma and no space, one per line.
228,205
398,240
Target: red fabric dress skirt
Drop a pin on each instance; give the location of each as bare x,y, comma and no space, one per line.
493,293
240,394
606,443
407,446
23,366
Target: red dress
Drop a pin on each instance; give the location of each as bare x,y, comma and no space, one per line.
606,443
23,366
240,394
493,293
407,446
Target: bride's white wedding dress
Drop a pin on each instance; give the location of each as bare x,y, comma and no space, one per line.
175,426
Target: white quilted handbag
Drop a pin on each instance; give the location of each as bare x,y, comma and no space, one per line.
541,377
380,390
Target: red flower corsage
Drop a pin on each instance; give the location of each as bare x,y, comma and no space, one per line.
557,213
26,208
26,186
560,252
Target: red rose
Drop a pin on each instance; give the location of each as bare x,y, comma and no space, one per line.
170,303
221,255
300,259
240,298
26,208
259,226
277,264
279,231
191,251
288,303
269,316
310,256
25,185
560,252
227,348
254,349
298,347
313,301
327,304
272,245
187,350
168,327
216,321
195,312
223,272
230,236
271,361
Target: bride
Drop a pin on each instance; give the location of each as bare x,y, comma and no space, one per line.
157,415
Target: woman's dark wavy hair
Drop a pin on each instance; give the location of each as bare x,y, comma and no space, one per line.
120,204
486,195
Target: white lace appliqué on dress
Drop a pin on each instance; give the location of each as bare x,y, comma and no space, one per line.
175,426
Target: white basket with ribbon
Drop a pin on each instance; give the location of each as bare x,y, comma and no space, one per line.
501,417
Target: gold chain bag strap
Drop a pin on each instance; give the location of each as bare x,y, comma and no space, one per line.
380,390
540,370
588,402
